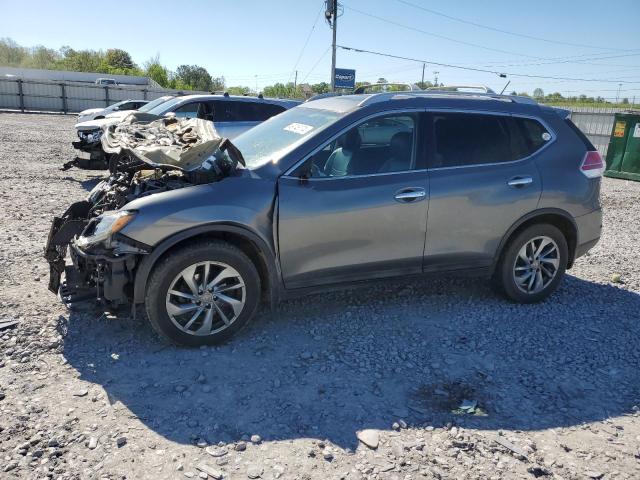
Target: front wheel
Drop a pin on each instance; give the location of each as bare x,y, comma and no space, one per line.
202,294
533,263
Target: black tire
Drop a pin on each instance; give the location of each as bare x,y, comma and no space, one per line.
174,263
504,274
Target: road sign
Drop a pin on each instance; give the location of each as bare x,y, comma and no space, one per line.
345,78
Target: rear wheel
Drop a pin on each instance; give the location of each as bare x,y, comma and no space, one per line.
202,294
533,263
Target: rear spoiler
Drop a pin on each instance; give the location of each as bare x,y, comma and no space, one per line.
562,112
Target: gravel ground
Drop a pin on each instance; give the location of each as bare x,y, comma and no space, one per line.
83,395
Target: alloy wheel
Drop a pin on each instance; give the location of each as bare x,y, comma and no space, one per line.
206,298
536,265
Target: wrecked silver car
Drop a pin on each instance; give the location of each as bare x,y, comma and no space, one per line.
160,156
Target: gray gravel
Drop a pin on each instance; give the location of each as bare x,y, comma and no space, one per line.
84,395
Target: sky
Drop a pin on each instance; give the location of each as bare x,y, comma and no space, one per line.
261,42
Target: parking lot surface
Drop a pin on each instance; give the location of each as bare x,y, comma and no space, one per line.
363,383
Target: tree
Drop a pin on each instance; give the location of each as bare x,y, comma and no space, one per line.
80,60
538,93
238,90
11,54
322,87
382,80
217,84
41,57
119,59
192,77
424,85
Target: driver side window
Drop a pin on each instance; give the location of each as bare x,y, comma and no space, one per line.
380,145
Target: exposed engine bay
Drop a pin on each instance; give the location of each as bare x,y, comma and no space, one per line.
160,156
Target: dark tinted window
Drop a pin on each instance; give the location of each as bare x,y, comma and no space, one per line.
472,139
244,111
200,110
268,110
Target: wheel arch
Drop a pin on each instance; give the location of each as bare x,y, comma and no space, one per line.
249,242
560,219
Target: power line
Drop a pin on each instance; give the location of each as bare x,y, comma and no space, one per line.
306,42
507,32
571,59
462,42
482,70
316,64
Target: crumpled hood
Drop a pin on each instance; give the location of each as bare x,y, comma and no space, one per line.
186,144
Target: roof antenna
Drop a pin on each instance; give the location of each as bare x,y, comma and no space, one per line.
505,87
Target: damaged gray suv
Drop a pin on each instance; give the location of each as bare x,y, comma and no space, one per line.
337,191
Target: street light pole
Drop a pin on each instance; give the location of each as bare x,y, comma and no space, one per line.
422,82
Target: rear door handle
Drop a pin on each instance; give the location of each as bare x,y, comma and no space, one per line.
407,195
519,182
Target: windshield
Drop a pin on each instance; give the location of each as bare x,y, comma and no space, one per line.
117,104
274,138
161,108
151,105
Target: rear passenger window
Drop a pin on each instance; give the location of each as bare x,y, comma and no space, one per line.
244,111
462,139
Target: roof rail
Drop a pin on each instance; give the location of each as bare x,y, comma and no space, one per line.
380,97
458,88
363,88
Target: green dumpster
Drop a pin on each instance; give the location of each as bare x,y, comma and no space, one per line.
623,154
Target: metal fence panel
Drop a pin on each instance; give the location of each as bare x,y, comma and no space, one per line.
596,123
10,94
72,97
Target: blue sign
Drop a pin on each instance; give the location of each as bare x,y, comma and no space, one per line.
345,78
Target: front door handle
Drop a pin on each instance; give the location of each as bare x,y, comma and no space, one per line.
407,195
519,182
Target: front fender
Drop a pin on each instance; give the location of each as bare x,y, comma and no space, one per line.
149,261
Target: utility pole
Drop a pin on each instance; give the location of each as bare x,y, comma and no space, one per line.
435,79
331,14
295,82
422,82
256,84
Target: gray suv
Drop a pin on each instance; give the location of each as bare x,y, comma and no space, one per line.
336,191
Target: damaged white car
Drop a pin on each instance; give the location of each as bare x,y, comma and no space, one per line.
99,113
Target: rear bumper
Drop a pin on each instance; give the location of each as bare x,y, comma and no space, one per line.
589,229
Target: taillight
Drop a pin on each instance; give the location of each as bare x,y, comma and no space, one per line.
592,166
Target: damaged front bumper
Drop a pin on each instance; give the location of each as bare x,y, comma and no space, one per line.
105,275
89,142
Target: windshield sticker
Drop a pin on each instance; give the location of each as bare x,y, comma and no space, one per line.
299,128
